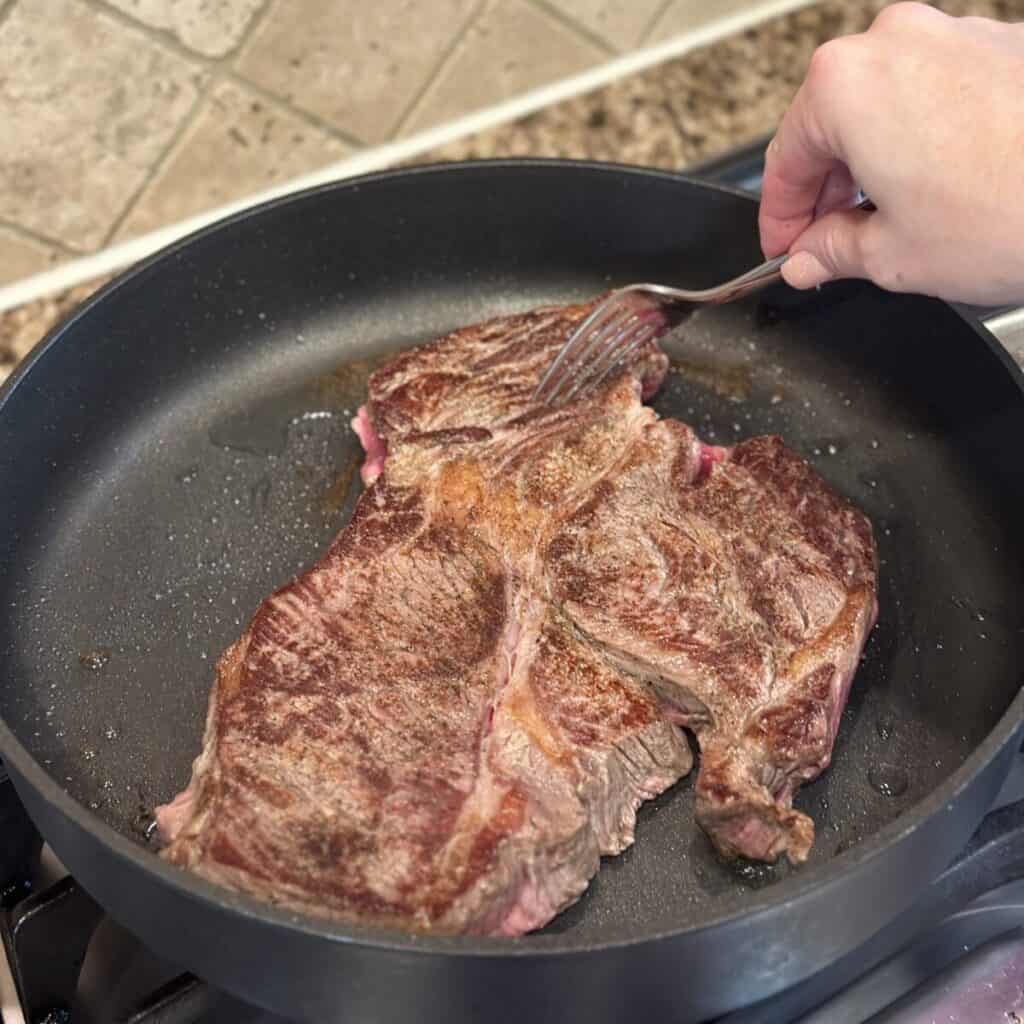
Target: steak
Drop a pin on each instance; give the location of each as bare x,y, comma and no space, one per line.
446,722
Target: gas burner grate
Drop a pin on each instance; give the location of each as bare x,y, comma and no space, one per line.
48,923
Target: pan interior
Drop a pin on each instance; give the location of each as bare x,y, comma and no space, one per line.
185,448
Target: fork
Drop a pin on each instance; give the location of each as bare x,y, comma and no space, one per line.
630,317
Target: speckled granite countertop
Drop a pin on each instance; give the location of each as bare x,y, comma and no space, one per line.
675,115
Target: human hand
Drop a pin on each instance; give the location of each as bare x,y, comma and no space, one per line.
925,113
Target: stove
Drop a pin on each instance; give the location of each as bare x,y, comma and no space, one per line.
956,956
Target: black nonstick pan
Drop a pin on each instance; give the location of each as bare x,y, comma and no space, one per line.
181,447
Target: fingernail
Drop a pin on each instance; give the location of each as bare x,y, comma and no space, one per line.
804,270
773,147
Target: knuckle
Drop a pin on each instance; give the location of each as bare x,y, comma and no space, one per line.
897,16
826,63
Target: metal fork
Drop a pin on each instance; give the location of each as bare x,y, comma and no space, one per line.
630,317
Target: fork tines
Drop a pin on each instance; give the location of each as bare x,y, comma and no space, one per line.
615,328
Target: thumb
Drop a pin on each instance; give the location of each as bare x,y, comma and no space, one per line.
829,249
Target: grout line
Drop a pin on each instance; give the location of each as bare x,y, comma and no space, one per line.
248,32
231,73
223,66
39,239
160,36
655,18
312,120
172,144
6,7
166,37
578,29
449,52
376,158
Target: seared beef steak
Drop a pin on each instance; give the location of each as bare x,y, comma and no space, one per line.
479,376
444,723
744,598
407,735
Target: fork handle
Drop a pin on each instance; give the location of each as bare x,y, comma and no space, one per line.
767,272
752,280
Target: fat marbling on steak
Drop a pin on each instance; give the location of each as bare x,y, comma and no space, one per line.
447,721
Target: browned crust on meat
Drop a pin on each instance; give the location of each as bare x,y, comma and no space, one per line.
446,722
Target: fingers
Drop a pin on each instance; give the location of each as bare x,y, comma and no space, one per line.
838,193
805,153
796,167
832,247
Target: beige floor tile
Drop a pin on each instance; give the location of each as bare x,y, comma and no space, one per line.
685,15
87,108
513,47
20,256
210,27
620,23
238,145
356,65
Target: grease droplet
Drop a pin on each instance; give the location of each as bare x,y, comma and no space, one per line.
884,726
93,660
754,875
888,779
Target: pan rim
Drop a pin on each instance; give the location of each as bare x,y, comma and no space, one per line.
192,888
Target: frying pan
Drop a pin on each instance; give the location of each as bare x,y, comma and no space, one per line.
180,447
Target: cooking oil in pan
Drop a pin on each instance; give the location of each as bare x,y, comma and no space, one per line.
261,427
730,380
94,659
889,779
884,726
336,496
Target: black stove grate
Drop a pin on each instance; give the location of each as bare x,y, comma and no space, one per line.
47,926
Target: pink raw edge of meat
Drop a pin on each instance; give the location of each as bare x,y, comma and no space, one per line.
709,455
650,384
171,817
376,449
531,909
842,693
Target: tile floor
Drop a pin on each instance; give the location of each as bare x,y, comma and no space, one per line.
122,116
